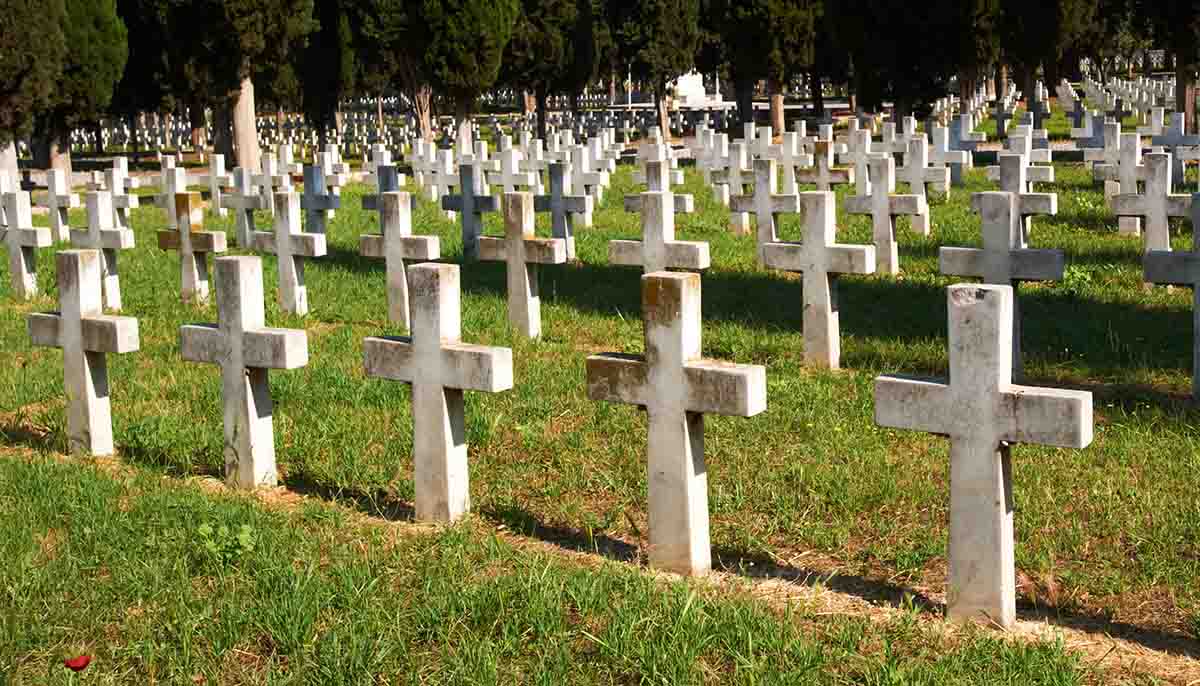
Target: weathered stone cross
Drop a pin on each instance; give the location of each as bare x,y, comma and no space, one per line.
917,172
561,206
824,174
440,367
85,335
243,201
1156,205
387,180
193,245
291,246
216,179
1006,258
1182,269
117,183
245,349
765,204
884,206
1172,138
821,259
317,200
397,244
677,387
101,235
791,156
983,413
272,179
942,155
522,253
23,239
59,200
658,250
470,204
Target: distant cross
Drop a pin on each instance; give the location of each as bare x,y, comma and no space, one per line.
585,181
470,204
59,200
117,184
983,413
194,245
291,246
561,206
1157,205
765,204
85,335
440,367
658,250
317,200
1182,269
387,180
942,155
822,260
23,239
884,206
215,179
1172,138
1107,161
677,387
824,175
174,181
511,177
917,172
245,349
1006,258
102,236
860,155
522,252
1002,114
790,156
734,177
244,200
395,245
272,179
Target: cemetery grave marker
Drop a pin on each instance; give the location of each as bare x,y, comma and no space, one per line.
194,245
395,245
522,252
291,246
884,206
23,239
103,237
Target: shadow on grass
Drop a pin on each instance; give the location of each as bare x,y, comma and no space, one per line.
377,503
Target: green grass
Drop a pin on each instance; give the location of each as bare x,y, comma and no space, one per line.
1107,534
132,569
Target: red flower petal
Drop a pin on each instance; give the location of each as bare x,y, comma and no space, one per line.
78,664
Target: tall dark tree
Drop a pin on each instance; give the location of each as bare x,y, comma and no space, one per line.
96,52
1036,33
328,64
33,51
460,44
1176,25
553,50
658,40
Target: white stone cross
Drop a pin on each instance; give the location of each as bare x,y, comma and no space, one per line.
318,200
585,181
6,187
884,206
397,244
983,413
1006,258
23,239
387,180
193,245
85,335
561,206
216,179
658,250
59,200
790,156
733,177
657,152
860,153
174,181
244,200
1173,137
917,172
470,204
1182,269
522,253
440,367
272,179
821,259
941,155
511,177
677,387
824,174
765,204
291,246
101,235
1156,205
117,183
245,349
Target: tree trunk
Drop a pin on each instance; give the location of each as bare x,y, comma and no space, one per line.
529,103
421,103
98,139
663,105
1000,80
196,121
778,125
222,133
379,113
816,91
1027,83
462,120
743,92
8,162
612,87
1051,68
541,111
1185,95
245,131
52,146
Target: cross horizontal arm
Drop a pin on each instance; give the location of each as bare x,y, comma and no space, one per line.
912,403
302,244
617,378
1046,416
483,203
682,202
411,247
1174,268
36,237
906,204
202,241
716,387
100,333
1024,265
110,239
463,365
